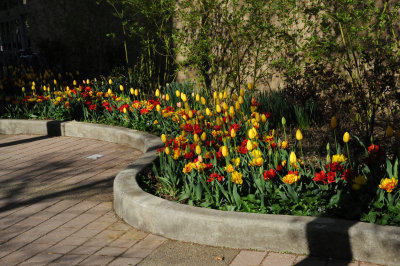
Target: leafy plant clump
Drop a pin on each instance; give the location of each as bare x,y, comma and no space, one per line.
233,153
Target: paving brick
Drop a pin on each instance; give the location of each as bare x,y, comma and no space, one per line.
69,259
120,226
61,249
108,236
151,242
42,259
279,259
97,260
97,225
110,251
123,242
23,254
80,221
135,252
54,236
246,257
125,261
85,232
72,240
61,206
310,261
101,208
85,250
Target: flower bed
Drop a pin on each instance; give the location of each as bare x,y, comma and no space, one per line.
230,152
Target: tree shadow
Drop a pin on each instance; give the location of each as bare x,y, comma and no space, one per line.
328,238
24,141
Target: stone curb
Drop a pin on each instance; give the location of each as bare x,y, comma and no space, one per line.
339,239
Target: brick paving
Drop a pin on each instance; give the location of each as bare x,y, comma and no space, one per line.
56,209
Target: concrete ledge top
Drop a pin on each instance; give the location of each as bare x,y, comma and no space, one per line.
316,236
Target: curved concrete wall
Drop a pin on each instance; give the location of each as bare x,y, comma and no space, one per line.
309,235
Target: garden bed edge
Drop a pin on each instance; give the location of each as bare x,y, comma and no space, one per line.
339,239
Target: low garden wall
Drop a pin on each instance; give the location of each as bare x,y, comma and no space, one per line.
307,235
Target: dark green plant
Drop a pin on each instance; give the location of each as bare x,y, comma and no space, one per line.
150,23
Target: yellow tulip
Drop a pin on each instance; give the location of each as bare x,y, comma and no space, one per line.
132,91
167,97
221,96
197,97
225,151
225,95
218,121
389,131
293,158
252,133
231,111
203,136
55,82
249,145
333,122
346,137
157,93
198,150
178,93
163,138
234,97
121,88
196,137
136,92
218,109
125,111
233,133
158,108
225,106
74,83
203,100
183,97
110,81
23,89
237,106
109,92
257,117
190,114
241,100
241,92
208,112
299,135
250,86
215,95
264,118
167,151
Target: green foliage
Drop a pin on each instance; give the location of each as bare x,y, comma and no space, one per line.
227,42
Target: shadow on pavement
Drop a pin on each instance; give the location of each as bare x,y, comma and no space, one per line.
328,238
23,141
86,190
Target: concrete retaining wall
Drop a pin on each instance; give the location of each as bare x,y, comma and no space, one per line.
309,235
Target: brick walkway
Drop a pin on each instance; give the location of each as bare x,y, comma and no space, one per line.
56,209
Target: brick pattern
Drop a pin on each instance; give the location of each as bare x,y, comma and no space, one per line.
56,209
